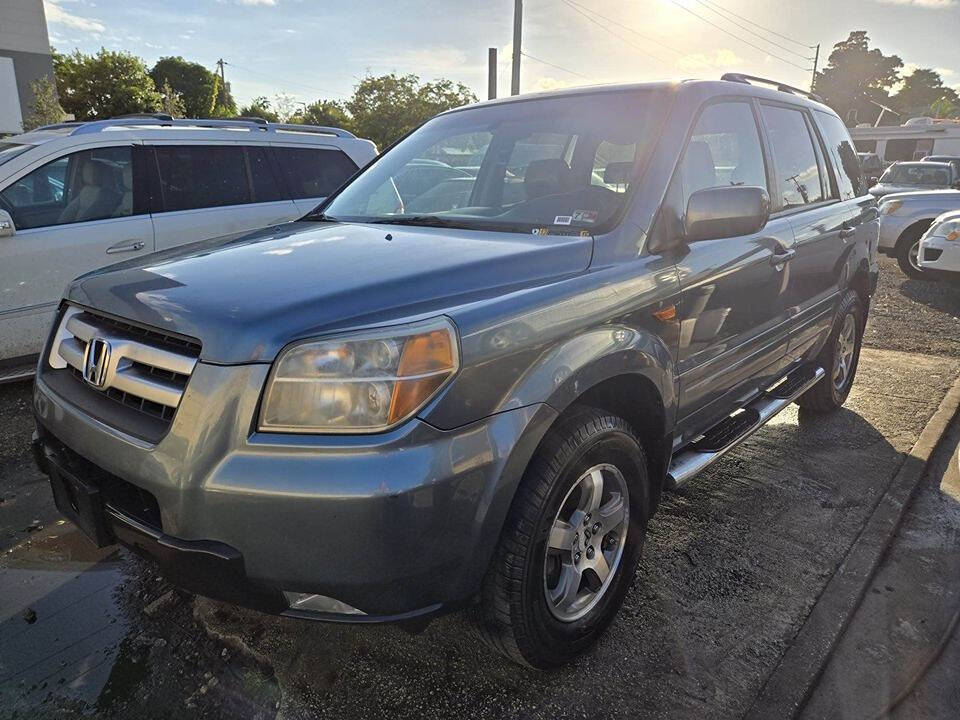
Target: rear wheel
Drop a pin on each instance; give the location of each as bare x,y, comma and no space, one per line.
839,358
571,543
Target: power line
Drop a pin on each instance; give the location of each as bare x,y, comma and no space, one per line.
625,27
615,34
737,37
325,91
553,65
766,29
752,32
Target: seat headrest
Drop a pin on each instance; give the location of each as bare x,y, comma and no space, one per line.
92,173
618,173
699,171
546,177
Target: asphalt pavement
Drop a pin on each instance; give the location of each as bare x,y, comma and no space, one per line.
733,564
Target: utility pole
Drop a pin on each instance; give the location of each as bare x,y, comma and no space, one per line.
491,74
816,58
517,33
223,80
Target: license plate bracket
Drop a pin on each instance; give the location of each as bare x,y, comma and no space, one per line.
81,502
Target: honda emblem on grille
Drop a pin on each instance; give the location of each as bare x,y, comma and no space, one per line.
96,359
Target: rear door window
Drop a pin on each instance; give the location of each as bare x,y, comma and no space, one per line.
202,176
846,163
313,172
799,180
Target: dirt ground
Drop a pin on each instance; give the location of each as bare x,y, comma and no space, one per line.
733,563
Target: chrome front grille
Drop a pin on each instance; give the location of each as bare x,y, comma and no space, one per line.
142,369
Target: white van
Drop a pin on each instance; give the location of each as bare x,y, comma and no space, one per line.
77,196
914,140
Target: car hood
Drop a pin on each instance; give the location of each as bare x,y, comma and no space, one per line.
246,297
924,195
882,189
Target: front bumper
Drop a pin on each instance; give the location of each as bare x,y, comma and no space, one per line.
395,525
938,253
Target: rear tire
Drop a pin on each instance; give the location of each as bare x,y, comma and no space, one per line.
839,358
908,247
546,597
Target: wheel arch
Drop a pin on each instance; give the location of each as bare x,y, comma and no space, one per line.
912,231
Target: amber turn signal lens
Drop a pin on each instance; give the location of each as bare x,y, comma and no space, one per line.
430,355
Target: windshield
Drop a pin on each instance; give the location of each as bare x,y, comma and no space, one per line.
8,151
916,174
559,165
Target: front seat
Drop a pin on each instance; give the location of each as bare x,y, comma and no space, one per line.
698,169
125,207
95,199
549,176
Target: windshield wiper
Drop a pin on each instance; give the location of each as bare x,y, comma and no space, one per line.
425,220
319,217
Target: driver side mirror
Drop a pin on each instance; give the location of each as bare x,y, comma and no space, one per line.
7,228
722,212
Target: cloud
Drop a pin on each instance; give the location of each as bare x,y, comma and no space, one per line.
722,58
56,14
922,3
543,84
268,3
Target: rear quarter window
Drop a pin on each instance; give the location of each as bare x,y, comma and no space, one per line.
313,172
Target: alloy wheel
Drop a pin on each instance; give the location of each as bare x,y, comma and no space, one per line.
843,356
586,542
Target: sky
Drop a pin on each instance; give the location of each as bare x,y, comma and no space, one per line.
311,49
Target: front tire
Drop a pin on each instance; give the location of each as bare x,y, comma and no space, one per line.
839,358
908,252
570,546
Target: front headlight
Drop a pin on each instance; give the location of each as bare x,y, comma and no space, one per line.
360,382
948,230
890,207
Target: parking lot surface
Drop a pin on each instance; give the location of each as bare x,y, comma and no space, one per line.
733,563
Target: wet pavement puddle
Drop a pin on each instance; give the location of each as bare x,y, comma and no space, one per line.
61,624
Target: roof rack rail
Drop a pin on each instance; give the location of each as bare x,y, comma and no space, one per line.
249,118
154,116
782,87
155,119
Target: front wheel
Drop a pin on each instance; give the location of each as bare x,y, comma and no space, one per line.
908,255
839,357
571,543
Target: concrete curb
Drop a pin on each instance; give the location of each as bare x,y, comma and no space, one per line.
788,687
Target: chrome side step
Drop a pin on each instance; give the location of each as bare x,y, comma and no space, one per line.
691,460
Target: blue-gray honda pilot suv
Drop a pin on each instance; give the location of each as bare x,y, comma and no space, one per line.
467,377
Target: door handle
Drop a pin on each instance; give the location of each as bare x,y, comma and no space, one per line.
782,256
128,246
847,232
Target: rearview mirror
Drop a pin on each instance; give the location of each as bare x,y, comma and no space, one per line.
723,212
7,228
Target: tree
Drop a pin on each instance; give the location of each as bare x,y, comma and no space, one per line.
284,106
856,74
45,109
329,113
225,106
259,107
387,107
95,87
943,108
197,87
920,90
171,102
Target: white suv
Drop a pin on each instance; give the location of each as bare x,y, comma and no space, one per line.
77,196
